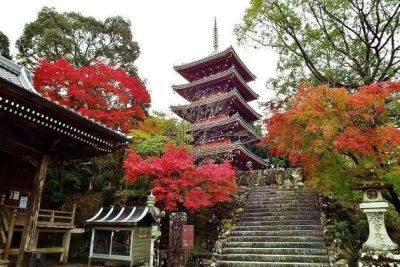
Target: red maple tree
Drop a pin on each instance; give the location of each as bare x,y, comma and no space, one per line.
333,132
103,92
178,182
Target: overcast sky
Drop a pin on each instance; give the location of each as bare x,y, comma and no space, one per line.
169,33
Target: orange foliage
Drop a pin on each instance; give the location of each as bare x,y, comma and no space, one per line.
325,120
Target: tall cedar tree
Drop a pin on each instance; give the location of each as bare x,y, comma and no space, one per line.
340,137
79,39
105,93
4,46
341,43
178,183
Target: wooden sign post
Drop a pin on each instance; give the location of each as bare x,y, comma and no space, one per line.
188,241
188,237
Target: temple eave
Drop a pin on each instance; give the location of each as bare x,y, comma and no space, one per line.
219,98
235,120
198,64
237,152
231,74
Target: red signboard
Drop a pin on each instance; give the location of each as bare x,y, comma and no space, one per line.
187,237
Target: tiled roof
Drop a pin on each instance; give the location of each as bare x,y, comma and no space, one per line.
212,57
214,99
15,74
235,118
120,215
231,72
229,148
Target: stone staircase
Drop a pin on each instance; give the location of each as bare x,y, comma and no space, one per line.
279,227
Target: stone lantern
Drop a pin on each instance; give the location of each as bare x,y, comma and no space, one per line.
379,247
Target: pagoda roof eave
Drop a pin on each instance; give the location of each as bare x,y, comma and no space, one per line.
229,148
203,61
218,98
226,121
215,78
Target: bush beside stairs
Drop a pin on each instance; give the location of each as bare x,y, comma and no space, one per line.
279,227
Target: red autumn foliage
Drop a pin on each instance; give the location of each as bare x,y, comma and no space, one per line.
176,180
103,92
323,122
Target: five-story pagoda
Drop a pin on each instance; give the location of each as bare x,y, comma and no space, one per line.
219,115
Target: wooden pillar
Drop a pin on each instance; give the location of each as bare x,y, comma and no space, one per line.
176,254
36,239
29,232
65,245
10,235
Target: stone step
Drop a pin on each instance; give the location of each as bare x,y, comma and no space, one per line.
273,251
263,244
247,213
287,202
280,208
299,204
278,222
269,264
257,208
277,233
279,199
282,199
279,188
282,192
282,195
276,258
275,239
277,227
279,217
297,200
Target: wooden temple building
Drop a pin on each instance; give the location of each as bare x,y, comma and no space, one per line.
34,132
219,114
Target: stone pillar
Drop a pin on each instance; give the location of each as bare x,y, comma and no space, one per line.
176,254
155,230
379,249
378,238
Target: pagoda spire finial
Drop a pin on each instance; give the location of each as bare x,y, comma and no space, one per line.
215,35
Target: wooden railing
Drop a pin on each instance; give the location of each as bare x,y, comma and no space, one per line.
4,220
7,224
11,216
46,218
57,218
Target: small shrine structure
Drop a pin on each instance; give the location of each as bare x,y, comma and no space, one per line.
125,235
35,131
219,114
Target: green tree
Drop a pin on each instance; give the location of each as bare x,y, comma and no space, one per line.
4,46
79,39
152,135
335,42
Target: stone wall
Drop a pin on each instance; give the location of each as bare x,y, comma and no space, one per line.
291,177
